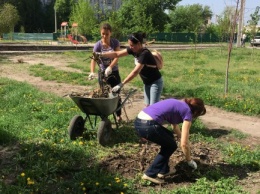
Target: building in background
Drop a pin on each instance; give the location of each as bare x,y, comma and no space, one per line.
106,4
100,4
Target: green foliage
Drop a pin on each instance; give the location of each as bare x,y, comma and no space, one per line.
83,14
242,155
9,17
63,9
146,16
190,18
255,17
50,73
33,131
227,186
206,75
45,158
204,71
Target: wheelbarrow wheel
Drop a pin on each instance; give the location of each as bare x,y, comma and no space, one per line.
76,127
104,132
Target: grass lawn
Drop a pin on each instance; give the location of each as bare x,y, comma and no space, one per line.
38,157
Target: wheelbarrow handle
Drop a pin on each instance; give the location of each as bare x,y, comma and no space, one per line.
130,93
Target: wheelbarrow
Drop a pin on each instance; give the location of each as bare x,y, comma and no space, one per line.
97,107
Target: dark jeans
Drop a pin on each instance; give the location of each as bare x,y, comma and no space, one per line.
113,80
158,134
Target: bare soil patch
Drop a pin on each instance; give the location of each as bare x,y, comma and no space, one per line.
207,157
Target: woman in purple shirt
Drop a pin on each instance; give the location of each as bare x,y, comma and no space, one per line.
108,66
148,125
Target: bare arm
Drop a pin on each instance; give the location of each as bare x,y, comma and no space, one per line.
176,130
115,54
133,73
115,60
92,65
185,146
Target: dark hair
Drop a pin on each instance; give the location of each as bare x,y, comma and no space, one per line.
197,106
106,26
137,37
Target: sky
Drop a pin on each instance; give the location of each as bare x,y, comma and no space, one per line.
218,6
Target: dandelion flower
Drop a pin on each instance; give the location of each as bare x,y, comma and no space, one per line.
29,181
81,143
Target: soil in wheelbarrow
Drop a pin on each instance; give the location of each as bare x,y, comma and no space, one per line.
207,157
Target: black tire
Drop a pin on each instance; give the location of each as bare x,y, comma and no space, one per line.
76,127
104,132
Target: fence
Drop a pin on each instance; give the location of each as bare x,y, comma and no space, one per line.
29,36
159,37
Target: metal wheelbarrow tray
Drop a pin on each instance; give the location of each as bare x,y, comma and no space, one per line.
99,107
96,106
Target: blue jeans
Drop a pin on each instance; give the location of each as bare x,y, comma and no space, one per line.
158,134
152,92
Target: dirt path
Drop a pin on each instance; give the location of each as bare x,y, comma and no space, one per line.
214,119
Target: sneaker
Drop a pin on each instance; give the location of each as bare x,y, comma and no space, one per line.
154,180
167,174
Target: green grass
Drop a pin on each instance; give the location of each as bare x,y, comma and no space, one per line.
39,157
187,73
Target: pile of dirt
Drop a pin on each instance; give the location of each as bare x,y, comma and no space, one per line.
210,165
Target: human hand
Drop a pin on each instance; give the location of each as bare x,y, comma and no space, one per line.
118,87
192,164
108,71
91,76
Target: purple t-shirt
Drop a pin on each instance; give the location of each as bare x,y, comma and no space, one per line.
105,62
171,110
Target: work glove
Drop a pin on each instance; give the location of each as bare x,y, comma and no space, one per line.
108,71
96,56
91,76
118,87
192,164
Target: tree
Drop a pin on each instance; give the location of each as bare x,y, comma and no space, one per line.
33,16
83,14
8,18
147,16
255,17
230,45
63,9
224,22
189,18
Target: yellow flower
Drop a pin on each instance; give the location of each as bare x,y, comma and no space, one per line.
81,143
23,174
97,183
84,188
46,130
29,181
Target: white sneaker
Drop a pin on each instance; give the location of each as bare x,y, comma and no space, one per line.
154,180
167,174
